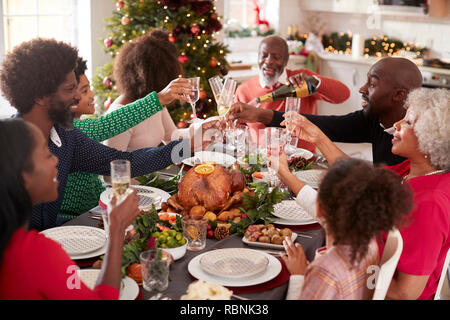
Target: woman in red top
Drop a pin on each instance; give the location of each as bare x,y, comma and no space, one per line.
31,265
423,137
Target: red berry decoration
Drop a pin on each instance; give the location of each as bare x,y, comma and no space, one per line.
210,234
119,5
244,216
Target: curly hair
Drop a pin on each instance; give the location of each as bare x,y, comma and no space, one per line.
431,110
360,202
145,64
81,68
35,69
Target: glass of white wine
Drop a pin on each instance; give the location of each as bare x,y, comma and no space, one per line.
292,104
120,178
193,97
216,86
226,97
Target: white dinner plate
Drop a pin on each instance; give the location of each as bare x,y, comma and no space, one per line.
290,210
311,177
147,196
273,269
77,240
267,245
222,159
285,222
129,289
234,262
300,152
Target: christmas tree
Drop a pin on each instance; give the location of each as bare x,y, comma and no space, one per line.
192,27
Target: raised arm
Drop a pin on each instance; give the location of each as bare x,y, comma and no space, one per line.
121,119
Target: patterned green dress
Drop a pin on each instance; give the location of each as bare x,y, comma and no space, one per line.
83,190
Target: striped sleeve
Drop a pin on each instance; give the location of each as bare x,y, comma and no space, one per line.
320,285
120,120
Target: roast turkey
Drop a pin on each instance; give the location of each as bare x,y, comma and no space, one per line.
215,191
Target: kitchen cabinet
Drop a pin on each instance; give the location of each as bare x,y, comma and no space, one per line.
353,74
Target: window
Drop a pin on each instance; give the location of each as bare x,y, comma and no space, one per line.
27,19
241,12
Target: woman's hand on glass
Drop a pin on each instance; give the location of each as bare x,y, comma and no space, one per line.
178,89
279,163
294,258
302,128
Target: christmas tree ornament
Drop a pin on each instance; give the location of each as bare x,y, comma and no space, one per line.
125,20
172,39
213,62
182,124
223,71
202,94
108,42
183,59
120,5
107,82
195,29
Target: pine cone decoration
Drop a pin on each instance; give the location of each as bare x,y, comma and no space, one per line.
221,232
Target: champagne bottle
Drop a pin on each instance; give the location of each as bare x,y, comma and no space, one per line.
309,86
290,34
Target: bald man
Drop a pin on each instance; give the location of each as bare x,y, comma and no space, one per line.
383,95
273,56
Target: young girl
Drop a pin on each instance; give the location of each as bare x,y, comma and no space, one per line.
355,204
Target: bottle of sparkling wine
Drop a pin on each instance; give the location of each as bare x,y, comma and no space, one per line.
310,85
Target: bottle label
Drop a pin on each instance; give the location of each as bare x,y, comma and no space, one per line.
265,98
303,91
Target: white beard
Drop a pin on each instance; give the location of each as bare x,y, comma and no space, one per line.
266,82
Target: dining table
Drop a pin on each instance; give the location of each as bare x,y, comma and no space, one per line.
310,236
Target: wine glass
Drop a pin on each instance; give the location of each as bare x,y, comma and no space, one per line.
216,87
193,97
120,178
275,141
292,104
226,97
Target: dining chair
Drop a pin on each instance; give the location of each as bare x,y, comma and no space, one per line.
444,281
391,254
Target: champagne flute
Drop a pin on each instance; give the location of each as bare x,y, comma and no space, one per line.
226,97
216,87
120,178
193,97
292,104
274,147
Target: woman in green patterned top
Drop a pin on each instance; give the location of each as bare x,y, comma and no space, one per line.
83,190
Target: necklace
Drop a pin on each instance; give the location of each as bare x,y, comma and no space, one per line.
426,174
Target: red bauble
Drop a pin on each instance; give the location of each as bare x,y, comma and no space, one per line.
214,16
195,29
119,5
172,39
108,42
213,63
183,59
107,82
202,94
181,125
125,20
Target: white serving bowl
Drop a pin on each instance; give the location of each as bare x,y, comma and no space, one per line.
177,252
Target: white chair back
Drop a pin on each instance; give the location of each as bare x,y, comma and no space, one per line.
389,260
443,279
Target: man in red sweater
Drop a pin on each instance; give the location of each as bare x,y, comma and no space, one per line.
273,56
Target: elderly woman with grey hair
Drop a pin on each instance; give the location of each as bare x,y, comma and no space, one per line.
423,137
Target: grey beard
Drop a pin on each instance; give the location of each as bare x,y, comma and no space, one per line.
268,82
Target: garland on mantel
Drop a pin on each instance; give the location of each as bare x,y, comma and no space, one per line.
341,43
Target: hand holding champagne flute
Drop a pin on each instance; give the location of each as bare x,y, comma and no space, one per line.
120,178
193,96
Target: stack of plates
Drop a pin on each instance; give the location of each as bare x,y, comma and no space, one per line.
234,267
288,212
80,242
311,177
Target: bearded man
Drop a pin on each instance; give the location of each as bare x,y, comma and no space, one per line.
273,56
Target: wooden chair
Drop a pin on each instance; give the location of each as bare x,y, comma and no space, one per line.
389,261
